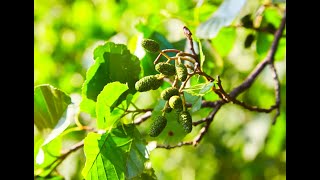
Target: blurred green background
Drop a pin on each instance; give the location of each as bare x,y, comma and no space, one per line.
240,144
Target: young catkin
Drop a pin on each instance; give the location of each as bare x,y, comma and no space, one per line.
167,93
175,102
150,45
182,72
185,120
148,82
157,126
166,68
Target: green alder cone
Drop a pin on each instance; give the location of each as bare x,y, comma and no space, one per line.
166,68
185,120
148,82
182,72
150,45
175,102
167,93
168,110
157,126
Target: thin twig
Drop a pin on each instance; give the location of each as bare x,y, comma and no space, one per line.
142,118
63,155
269,58
236,91
174,146
277,91
188,34
226,97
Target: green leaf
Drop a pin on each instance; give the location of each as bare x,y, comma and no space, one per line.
119,154
224,41
88,106
202,56
107,112
264,41
148,174
49,105
194,100
199,89
113,62
47,156
224,16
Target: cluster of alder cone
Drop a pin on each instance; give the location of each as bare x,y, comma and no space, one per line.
173,95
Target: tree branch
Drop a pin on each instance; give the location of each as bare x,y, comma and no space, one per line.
142,118
241,88
63,155
269,59
277,91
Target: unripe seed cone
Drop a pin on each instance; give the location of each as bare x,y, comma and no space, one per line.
148,82
157,126
175,102
167,93
185,120
166,68
150,45
168,109
182,72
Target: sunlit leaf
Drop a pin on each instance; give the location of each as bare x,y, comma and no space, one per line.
224,16
277,137
224,41
119,154
199,89
107,114
49,105
47,156
113,62
88,106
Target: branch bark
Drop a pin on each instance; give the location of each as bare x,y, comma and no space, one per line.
269,59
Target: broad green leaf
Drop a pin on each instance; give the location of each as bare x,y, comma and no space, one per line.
88,106
148,174
224,16
49,105
113,62
63,123
277,137
118,154
224,41
264,41
47,156
194,100
107,113
199,89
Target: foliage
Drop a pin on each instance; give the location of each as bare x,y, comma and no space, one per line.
91,122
